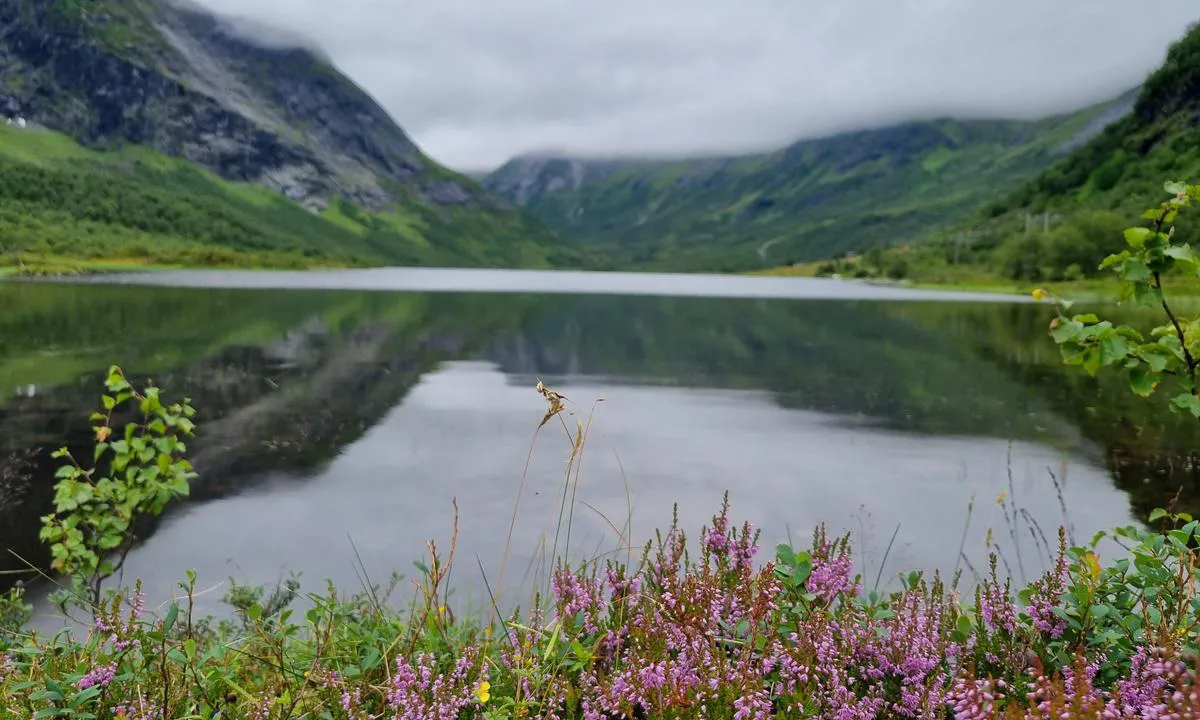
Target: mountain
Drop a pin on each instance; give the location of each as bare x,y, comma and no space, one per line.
815,199
157,129
1129,160
1080,205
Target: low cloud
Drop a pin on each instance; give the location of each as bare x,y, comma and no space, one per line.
477,82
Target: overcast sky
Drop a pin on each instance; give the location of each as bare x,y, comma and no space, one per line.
476,82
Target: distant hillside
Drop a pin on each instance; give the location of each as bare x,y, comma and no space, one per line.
1130,159
815,199
196,144
1060,224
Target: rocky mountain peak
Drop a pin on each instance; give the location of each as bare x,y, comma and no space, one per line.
190,84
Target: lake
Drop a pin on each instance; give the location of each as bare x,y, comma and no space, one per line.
344,414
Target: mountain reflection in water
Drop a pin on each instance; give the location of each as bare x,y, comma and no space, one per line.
339,420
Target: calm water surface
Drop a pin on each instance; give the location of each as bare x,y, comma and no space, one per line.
344,413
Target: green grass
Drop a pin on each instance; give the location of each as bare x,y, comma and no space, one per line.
60,201
929,275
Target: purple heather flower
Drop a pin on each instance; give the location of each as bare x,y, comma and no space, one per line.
100,676
142,710
420,692
830,576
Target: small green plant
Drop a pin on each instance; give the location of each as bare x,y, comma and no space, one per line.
249,603
1173,349
134,474
15,612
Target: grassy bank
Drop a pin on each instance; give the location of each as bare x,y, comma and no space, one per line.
689,626
49,265
975,279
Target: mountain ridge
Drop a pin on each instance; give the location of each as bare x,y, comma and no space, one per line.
1088,198
815,198
186,84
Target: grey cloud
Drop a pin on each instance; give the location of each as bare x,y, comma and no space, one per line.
264,33
476,82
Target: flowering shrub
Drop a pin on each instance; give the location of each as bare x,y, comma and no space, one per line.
689,632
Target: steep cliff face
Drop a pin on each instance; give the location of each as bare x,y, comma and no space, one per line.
187,83
524,178
139,79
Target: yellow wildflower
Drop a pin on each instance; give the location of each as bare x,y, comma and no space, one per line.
483,691
1040,294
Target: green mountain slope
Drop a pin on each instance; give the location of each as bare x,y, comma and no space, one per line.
1161,136
815,199
158,132
1060,224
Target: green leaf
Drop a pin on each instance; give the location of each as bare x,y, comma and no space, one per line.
1066,331
1146,294
1174,187
803,570
963,626
1072,353
1137,236
1181,252
1113,348
86,695
1142,382
1132,622
1188,403
1156,356
1135,270
172,615
785,555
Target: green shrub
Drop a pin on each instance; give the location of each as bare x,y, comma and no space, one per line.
134,473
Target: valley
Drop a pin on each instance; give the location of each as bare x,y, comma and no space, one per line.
186,152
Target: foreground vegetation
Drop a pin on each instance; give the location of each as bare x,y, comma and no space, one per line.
695,629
